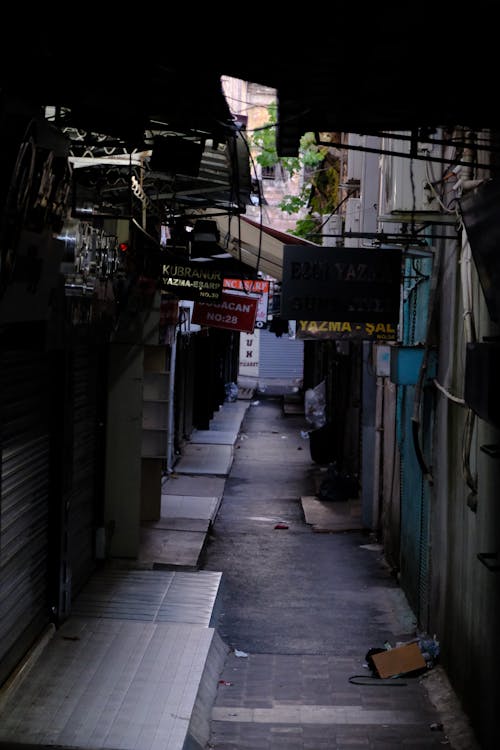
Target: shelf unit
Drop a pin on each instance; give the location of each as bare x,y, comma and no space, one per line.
155,425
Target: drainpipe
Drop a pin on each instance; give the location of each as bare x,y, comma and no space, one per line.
419,387
465,180
470,337
464,184
379,431
171,412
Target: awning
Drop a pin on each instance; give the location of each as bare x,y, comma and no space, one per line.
254,244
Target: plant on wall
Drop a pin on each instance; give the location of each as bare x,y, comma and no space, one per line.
318,166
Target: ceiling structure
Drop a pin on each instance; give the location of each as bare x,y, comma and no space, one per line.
146,107
370,69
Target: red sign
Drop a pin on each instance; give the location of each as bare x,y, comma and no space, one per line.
236,312
256,286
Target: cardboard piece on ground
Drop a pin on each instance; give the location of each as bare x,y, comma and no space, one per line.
399,660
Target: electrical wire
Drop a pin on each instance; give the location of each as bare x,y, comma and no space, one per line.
447,393
379,151
334,211
431,184
417,402
417,283
376,681
248,105
339,205
418,271
285,121
259,250
468,476
157,243
235,192
470,337
234,198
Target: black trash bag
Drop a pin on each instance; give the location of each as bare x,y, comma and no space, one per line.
338,486
322,444
278,326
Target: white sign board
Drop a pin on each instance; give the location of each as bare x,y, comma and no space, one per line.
249,353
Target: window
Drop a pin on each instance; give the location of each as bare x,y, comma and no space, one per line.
269,173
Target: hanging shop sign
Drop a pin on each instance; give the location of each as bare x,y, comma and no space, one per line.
338,283
192,281
255,286
335,329
237,312
249,354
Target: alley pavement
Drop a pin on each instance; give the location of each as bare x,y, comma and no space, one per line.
243,623
300,607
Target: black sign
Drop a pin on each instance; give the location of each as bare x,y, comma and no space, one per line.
344,329
192,281
339,283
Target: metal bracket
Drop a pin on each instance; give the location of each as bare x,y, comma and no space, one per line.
485,558
492,450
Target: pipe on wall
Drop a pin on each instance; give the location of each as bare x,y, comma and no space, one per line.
171,406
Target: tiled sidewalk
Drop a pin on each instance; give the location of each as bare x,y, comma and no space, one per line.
111,683
136,665
192,494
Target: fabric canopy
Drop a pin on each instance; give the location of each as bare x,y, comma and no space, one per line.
256,245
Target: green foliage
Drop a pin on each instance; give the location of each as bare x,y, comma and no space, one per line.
311,155
264,140
306,227
325,188
320,194
291,204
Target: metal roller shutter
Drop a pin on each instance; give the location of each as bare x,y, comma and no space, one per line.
24,512
280,357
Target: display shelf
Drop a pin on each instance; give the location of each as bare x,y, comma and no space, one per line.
154,443
154,415
155,359
155,420
155,386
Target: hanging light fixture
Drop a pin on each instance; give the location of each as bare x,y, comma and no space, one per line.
205,239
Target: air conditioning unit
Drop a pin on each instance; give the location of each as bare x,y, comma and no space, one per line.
353,221
405,193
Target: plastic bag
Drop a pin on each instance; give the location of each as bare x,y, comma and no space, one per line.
231,390
315,405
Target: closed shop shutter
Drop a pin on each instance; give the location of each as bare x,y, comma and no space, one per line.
184,389
83,495
24,512
280,357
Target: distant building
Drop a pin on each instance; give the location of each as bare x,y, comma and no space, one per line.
250,102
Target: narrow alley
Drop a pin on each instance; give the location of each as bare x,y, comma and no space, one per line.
184,227
244,623
299,611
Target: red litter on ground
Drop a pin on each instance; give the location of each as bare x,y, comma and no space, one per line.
281,526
